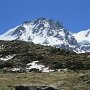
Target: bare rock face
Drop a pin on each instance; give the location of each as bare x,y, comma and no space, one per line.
35,88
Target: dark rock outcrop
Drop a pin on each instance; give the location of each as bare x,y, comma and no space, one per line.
35,88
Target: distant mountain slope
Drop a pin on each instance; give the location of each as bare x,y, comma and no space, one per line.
83,36
83,39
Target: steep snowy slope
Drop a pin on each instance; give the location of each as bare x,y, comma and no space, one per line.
42,31
83,39
83,36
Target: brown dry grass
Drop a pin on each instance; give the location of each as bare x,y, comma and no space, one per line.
63,80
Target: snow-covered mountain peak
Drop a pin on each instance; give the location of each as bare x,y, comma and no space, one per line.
40,26
82,35
49,32
42,31
48,23
83,39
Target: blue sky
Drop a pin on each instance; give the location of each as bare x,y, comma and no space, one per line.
73,14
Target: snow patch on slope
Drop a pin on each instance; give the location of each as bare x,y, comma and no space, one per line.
8,35
36,65
8,57
83,39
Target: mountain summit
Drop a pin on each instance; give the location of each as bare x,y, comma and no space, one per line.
42,31
49,33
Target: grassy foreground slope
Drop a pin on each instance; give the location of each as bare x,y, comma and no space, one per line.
62,80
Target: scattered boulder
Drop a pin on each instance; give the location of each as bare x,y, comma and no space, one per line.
35,88
87,82
34,70
22,88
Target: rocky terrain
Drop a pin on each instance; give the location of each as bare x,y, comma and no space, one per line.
21,56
